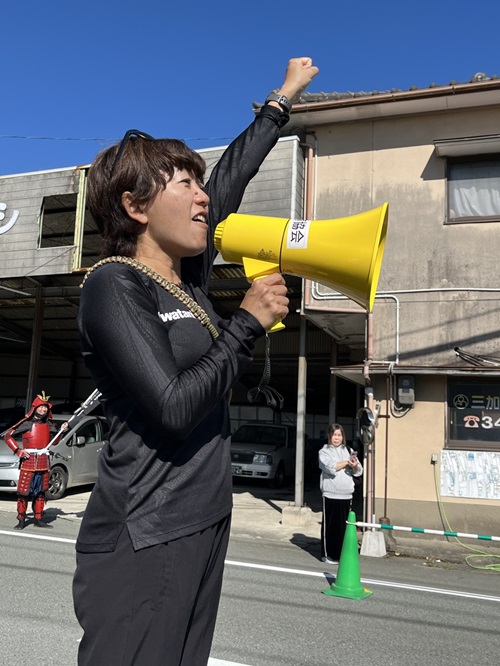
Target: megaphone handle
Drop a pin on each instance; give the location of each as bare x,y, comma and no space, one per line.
278,324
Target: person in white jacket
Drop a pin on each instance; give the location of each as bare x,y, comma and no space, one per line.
338,465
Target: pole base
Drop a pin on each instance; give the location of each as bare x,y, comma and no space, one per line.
373,544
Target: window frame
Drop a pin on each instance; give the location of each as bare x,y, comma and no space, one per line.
464,159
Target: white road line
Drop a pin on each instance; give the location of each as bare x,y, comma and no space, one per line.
268,567
37,536
221,662
368,581
300,572
435,590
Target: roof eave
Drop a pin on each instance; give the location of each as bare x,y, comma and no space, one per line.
427,100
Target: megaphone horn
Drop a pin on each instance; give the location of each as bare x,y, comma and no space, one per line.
344,254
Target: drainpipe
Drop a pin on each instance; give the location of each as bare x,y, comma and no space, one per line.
309,194
315,293
302,369
370,452
387,394
369,349
301,417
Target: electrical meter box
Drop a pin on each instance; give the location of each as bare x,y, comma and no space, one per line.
406,390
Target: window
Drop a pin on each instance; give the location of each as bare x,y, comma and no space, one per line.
58,220
474,415
473,189
89,431
58,227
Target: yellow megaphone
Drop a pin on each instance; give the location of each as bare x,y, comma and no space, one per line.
344,254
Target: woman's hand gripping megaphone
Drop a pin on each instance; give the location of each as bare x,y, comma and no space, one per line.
267,301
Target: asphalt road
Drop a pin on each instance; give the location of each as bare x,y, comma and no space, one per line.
416,615
272,610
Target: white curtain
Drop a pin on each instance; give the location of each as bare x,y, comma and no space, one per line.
474,189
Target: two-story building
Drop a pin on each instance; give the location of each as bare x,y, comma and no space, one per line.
429,354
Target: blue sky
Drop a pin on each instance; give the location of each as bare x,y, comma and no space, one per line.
191,70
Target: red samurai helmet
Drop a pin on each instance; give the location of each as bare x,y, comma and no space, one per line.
41,399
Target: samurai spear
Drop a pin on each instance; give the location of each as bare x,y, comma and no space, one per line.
87,406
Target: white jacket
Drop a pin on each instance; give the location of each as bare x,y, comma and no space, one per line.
333,484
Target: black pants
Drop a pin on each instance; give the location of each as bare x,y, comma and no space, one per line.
152,607
333,524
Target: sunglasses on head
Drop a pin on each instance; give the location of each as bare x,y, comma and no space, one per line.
128,135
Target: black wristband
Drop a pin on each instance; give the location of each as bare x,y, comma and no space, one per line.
282,100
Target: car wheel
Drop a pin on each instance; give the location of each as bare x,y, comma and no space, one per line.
279,477
58,482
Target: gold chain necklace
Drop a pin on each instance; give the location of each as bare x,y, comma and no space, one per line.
172,288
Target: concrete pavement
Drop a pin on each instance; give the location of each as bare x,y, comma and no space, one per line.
258,516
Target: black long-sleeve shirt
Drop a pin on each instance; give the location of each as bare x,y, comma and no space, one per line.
165,472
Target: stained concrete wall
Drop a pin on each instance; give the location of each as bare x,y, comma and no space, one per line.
364,164
22,196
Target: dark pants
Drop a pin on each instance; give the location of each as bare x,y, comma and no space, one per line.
152,607
333,524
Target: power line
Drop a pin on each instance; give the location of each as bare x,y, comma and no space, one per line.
70,138
53,138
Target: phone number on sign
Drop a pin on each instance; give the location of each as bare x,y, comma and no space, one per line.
484,422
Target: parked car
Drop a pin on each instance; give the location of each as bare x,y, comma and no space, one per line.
263,451
73,459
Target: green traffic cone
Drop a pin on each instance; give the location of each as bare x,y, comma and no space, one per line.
348,581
